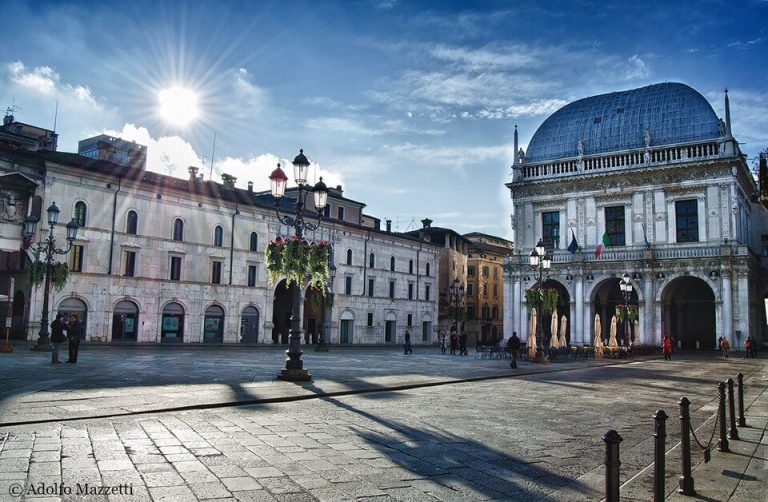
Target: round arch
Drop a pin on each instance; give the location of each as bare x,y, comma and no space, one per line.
125,321
282,306
605,296
249,325
213,324
75,305
346,326
172,323
688,313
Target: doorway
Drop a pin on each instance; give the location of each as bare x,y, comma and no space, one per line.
125,321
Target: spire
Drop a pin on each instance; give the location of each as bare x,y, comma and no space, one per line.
727,114
515,161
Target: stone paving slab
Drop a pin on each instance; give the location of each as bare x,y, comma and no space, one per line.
528,435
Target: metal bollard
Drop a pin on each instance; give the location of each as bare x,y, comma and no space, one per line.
742,420
612,463
723,443
659,466
686,480
733,432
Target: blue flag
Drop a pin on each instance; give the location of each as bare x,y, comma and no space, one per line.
573,246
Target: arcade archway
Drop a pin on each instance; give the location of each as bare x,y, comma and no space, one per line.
281,312
563,309
688,313
607,297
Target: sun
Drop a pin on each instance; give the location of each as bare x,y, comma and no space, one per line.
178,105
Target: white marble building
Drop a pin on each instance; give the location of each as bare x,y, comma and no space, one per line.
657,180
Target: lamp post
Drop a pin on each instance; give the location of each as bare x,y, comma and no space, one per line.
626,291
47,247
294,366
540,261
321,346
455,297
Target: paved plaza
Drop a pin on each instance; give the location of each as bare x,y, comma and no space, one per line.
212,423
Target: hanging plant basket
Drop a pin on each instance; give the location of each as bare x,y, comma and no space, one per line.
630,312
546,298
297,261
59,274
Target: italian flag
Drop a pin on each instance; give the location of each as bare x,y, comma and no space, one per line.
606,242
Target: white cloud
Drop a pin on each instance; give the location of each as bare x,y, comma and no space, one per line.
352,126
637,69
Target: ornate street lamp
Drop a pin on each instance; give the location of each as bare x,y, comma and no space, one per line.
47,247
455,298
626,291
540,260
294,366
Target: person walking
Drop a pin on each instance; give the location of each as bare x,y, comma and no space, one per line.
513,344
407,345
752,347
74,335
463,344
442,342
666,347
57,337
454,342
724,347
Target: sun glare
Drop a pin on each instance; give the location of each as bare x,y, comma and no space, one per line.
178,105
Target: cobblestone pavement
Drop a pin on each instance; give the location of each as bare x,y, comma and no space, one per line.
532,434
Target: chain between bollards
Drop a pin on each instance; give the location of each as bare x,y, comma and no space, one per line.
612,464
686,480
723,444
742,420
733,432
659,449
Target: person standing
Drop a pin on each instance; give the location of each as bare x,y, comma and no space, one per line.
74,335
752,347
454,342
725,346
666,347
407,345
513,344
442,342
57,337
463,344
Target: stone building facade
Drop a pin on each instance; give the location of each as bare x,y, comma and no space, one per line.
648,182
160,259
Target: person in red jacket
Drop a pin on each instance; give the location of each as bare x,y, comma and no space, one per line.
666,347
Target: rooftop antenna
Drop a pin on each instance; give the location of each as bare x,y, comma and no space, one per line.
56,116
210,174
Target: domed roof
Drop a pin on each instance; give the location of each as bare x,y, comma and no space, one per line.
672,112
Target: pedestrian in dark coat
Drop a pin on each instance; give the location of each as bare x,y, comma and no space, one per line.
454,342
407,345
74,335
513,344
57,337
463,344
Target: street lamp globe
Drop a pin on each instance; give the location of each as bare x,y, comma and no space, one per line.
300,168
30,225
320,192
72,230
277,181
540,249
53,214
534,258
546,262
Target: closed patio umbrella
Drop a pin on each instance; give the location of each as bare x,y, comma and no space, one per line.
612,341
636,331
598,332
563,329
554,343
531,344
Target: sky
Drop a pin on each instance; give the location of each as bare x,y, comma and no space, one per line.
410,106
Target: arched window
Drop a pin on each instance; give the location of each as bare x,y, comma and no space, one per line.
132,223
427,269
410,267
254,246
79,215
178,229
218,236
392,264
349,257
371,261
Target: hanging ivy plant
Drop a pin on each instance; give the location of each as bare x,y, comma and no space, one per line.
547,298
630,312
59,274
297,261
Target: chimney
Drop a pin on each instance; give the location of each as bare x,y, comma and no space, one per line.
192,173
389,226
228,181
426,222
250,187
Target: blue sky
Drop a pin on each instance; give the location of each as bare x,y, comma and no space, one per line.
409,105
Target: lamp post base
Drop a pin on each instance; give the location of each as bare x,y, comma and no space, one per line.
540,358
42,345
6,348
294,375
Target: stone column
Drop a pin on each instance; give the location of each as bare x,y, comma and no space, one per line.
578,333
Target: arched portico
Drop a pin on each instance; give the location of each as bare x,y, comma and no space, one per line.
688,313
